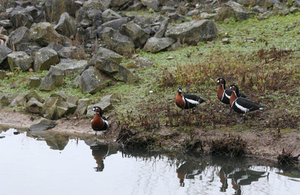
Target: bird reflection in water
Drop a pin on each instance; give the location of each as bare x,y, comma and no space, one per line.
99,152
239,177
188,170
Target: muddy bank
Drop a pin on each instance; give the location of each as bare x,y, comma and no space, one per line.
266,144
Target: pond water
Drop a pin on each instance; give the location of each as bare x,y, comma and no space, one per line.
56,164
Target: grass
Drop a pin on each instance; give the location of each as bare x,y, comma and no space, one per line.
262,59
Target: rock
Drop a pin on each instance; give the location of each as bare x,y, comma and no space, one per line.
34,94
82,107
19,100
107,66
44,33
55,106
20,17
135,33
6,99
114,24
2,74
140,62
151,4
104,104
162,29
4,51
167,9
44,58
20,38
193,32
34,106
118,42
125,75
34,82
66,26
109,15
108,54
42,125
91,81
54,78
71,68
20,60
155,45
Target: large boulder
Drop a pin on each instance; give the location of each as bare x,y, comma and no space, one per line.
155,45
136,33
20,39
6,99
44,33
66,26
72,68
20,17
42,125
55,106
54,78
44,58
91,81
151,4
82,107
125,75
4,51
120,43
109,15
193,32
232,9
34,106
19,59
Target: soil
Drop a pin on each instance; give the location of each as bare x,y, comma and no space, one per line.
267,144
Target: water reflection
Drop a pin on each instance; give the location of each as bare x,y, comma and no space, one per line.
99,152
141,173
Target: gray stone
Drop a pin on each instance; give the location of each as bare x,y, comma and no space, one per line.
44,58
42,125
82,107
193,32
151,4
107,53
20,38
34,106
135,33
4,51
34,82
54,78
19,100
125,75
34,94
66,26
6,99
155,45
109,15
44,33
91,81
2,74
20,60
71,68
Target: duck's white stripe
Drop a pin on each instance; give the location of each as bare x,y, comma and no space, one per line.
228,96
192,101
241,107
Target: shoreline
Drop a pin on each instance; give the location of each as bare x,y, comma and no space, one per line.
267,144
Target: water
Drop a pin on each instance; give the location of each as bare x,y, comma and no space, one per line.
55,164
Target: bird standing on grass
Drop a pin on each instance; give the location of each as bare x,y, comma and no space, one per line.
99,123
187,101
242,105
224,94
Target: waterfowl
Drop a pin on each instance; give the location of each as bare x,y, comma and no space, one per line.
224,94
187,101
99,123
242,105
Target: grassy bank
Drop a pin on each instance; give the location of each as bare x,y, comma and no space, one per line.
262,58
